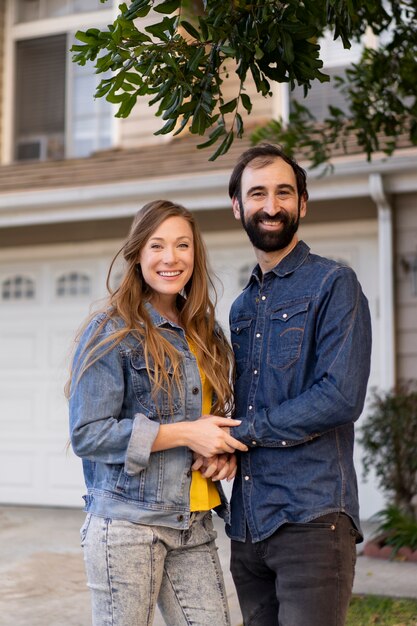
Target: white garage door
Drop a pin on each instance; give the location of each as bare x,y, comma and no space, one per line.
45,294
43,301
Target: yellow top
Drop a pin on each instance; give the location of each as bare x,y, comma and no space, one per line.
203,492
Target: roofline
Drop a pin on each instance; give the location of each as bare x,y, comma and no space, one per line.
198,191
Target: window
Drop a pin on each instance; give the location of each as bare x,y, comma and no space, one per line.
40,98
72,285
336,60
55,113
18,288
30,10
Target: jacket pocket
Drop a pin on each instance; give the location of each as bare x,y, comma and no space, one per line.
240,332
286,334
157,405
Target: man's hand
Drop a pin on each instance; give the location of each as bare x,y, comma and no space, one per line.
220,467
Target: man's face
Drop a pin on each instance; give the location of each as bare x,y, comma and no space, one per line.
270,208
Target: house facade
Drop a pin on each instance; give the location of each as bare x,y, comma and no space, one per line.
71,178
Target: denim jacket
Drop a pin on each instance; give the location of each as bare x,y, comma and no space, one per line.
114,422
301,336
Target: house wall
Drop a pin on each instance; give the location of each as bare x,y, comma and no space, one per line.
139,127
406,311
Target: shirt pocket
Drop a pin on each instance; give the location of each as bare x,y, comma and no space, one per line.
287,325
154,406
240,332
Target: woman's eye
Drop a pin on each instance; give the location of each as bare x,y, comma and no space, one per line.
183,245
155,246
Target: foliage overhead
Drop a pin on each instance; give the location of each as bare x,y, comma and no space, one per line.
389,439
180,53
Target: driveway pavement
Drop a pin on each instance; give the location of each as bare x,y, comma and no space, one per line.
42,579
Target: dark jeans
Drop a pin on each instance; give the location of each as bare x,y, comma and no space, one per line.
300,576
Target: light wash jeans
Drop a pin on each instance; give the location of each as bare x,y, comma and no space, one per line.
132,567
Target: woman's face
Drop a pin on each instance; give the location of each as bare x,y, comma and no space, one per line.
167,258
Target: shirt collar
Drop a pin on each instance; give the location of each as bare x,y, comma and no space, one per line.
286,266
158,319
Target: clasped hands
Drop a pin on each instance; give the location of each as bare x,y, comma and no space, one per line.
222,464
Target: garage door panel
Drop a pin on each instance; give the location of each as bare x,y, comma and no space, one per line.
17,469
19,348
17,411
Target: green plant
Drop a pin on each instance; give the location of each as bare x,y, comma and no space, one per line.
389,440
368,610
397,528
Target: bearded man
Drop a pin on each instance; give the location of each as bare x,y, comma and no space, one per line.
301,336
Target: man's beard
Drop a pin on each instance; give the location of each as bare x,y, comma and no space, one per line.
270,241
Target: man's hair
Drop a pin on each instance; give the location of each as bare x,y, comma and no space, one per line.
259,156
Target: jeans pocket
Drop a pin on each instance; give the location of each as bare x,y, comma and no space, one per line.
84,529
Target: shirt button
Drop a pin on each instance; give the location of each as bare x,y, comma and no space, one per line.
250,407
195,391
285,315
283,443
246,477
263,298
255,371
258,335
254,443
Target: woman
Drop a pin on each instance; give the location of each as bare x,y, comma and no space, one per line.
145,370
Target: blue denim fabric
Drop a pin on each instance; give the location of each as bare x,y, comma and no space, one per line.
301,336
114,422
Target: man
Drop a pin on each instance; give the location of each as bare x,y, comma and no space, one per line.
301,336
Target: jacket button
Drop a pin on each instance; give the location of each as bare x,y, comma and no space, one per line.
195,391
180,518
189,473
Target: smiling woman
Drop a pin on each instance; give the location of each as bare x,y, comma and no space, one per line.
167,262
144,371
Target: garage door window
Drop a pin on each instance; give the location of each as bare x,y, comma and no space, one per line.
18,288
73,285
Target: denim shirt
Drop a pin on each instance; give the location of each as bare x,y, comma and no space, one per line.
114,422
301,336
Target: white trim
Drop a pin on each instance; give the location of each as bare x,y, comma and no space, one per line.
386,282
23,254
61,24
197,191
8,86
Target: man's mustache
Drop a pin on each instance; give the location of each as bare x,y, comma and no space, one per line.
280,217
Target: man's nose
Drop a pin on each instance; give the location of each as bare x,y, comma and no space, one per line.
271,205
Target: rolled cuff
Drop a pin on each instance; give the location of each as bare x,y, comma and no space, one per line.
138,451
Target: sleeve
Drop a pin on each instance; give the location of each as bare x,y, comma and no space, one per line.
96,398
341,371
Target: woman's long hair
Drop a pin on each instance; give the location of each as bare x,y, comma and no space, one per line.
196,315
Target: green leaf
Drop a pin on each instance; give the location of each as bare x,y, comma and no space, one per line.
229,106
169,6
191,30
246,101
217,132
195,59
167,128
224,146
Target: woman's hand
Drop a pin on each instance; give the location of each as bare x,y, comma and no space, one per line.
210,436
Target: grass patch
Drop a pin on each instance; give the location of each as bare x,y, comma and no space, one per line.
381,611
